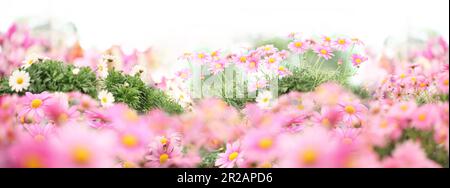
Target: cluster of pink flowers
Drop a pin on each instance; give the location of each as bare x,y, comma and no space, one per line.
427,76
326,128
17,43
268,59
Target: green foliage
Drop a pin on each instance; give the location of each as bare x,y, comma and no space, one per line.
433,150
55,76
133,91
209,157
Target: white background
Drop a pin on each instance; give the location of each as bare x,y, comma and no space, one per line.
176,26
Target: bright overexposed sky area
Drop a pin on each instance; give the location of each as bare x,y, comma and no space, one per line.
182,25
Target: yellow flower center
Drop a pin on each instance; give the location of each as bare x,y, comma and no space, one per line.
272,60
350,109
404,107
39,138
423,84
63,118
163,158
233,156
413,79
300,107
131,115
265,143
298,44
384,124
127,164
81,155
19,80
358,60
341,41
218,65
243,59
281,68
445,82
265,100
164,140
402,76
323,51
104,99
36,103
252,64
325,121
201,56
309,157
422,117
33,161
347,141
129,140
214,54
327,39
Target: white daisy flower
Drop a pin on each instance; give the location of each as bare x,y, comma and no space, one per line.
106,98
102,70
111,61
31,59
19,80
137,69
265,100
75,71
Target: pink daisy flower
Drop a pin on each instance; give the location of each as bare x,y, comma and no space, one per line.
442,82
347,135
217,66
324,51
253,64
341,44
81,147
162,155
27,153
425,116
35,105
232,157
311,149
358,59
40,132
353,113
298,46
260,144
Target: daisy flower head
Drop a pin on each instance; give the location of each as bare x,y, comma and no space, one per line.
75,71
202,57
217,66
253,64
19,80
35,105
32,59
326,40
232,157
443,82
324,51
353,113
283,71
265,100
215,55
272,60
102,70
298,46
111,61
106,98
357,59
341,44
267,50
